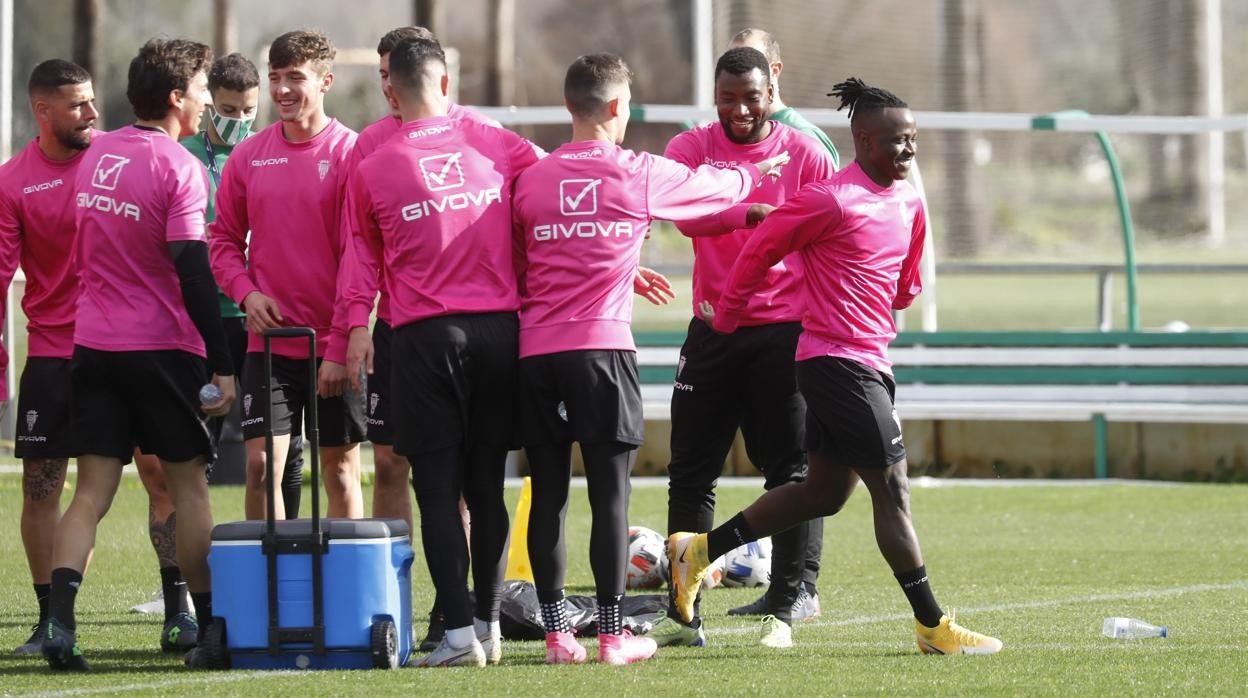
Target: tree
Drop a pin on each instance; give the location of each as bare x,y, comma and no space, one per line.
961,70
88,50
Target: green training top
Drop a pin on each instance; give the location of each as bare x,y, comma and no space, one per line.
198,145
789,117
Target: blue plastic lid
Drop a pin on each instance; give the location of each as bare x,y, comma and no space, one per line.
1165,632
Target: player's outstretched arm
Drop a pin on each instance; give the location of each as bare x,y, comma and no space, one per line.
771,166
653,286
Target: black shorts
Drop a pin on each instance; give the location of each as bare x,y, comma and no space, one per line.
340,420
453,382
850,415
379,431
590,396
149,399
43,424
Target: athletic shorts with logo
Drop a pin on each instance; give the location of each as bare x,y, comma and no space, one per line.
149,399
378,407
340,419
589,396
849,412
741,380
453,382
43,423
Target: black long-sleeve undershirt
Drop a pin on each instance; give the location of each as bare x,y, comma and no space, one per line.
199,293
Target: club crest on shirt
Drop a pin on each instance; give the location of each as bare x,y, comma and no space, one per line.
372,402
680,365
108,171
247,404
322,169
32,416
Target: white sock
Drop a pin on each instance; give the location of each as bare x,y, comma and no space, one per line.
487,628
461,637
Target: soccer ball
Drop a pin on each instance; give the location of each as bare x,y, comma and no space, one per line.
748,565
714,574
647,556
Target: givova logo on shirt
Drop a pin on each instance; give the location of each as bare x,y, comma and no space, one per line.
442,171
108,171
106,176
578,197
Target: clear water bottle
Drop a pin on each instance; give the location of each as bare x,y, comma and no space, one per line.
209,394
1132,629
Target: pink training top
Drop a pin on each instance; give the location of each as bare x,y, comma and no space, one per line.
137,191
433,207
373,137
583,213
718,238
37,227
290,196
861,245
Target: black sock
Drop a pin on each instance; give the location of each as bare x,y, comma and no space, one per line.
61,597
42,591
919,594
173,588
610,621
554,611
203,608
733,534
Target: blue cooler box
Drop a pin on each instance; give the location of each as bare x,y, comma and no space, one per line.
366,585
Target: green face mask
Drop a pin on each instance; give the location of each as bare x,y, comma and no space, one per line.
231,130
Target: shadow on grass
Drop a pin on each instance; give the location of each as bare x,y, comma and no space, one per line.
102,661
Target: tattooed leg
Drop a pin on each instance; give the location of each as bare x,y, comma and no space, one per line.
164,537
43,479
160,521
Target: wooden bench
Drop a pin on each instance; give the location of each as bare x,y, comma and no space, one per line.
1187,377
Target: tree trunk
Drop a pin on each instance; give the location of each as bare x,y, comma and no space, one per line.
224,27
965,226
1194,99
88,50
430,14
501,86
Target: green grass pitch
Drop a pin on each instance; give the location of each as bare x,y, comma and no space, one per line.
1038,566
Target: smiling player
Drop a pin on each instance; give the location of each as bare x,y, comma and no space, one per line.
860,235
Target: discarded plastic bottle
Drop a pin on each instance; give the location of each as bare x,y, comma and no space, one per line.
209,394
1132,629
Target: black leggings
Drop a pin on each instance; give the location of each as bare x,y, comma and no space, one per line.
607,470
438,478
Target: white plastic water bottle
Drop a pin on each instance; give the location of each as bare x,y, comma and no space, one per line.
209,394
1132,629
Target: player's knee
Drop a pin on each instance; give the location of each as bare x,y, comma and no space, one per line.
256,471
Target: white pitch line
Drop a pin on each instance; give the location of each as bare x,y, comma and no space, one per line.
192,680
1043,603
233,677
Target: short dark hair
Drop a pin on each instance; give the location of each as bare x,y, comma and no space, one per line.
394,36
54,74
162,66
771,47
233,72
742,60
585,88
408,59
860,98
303,46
